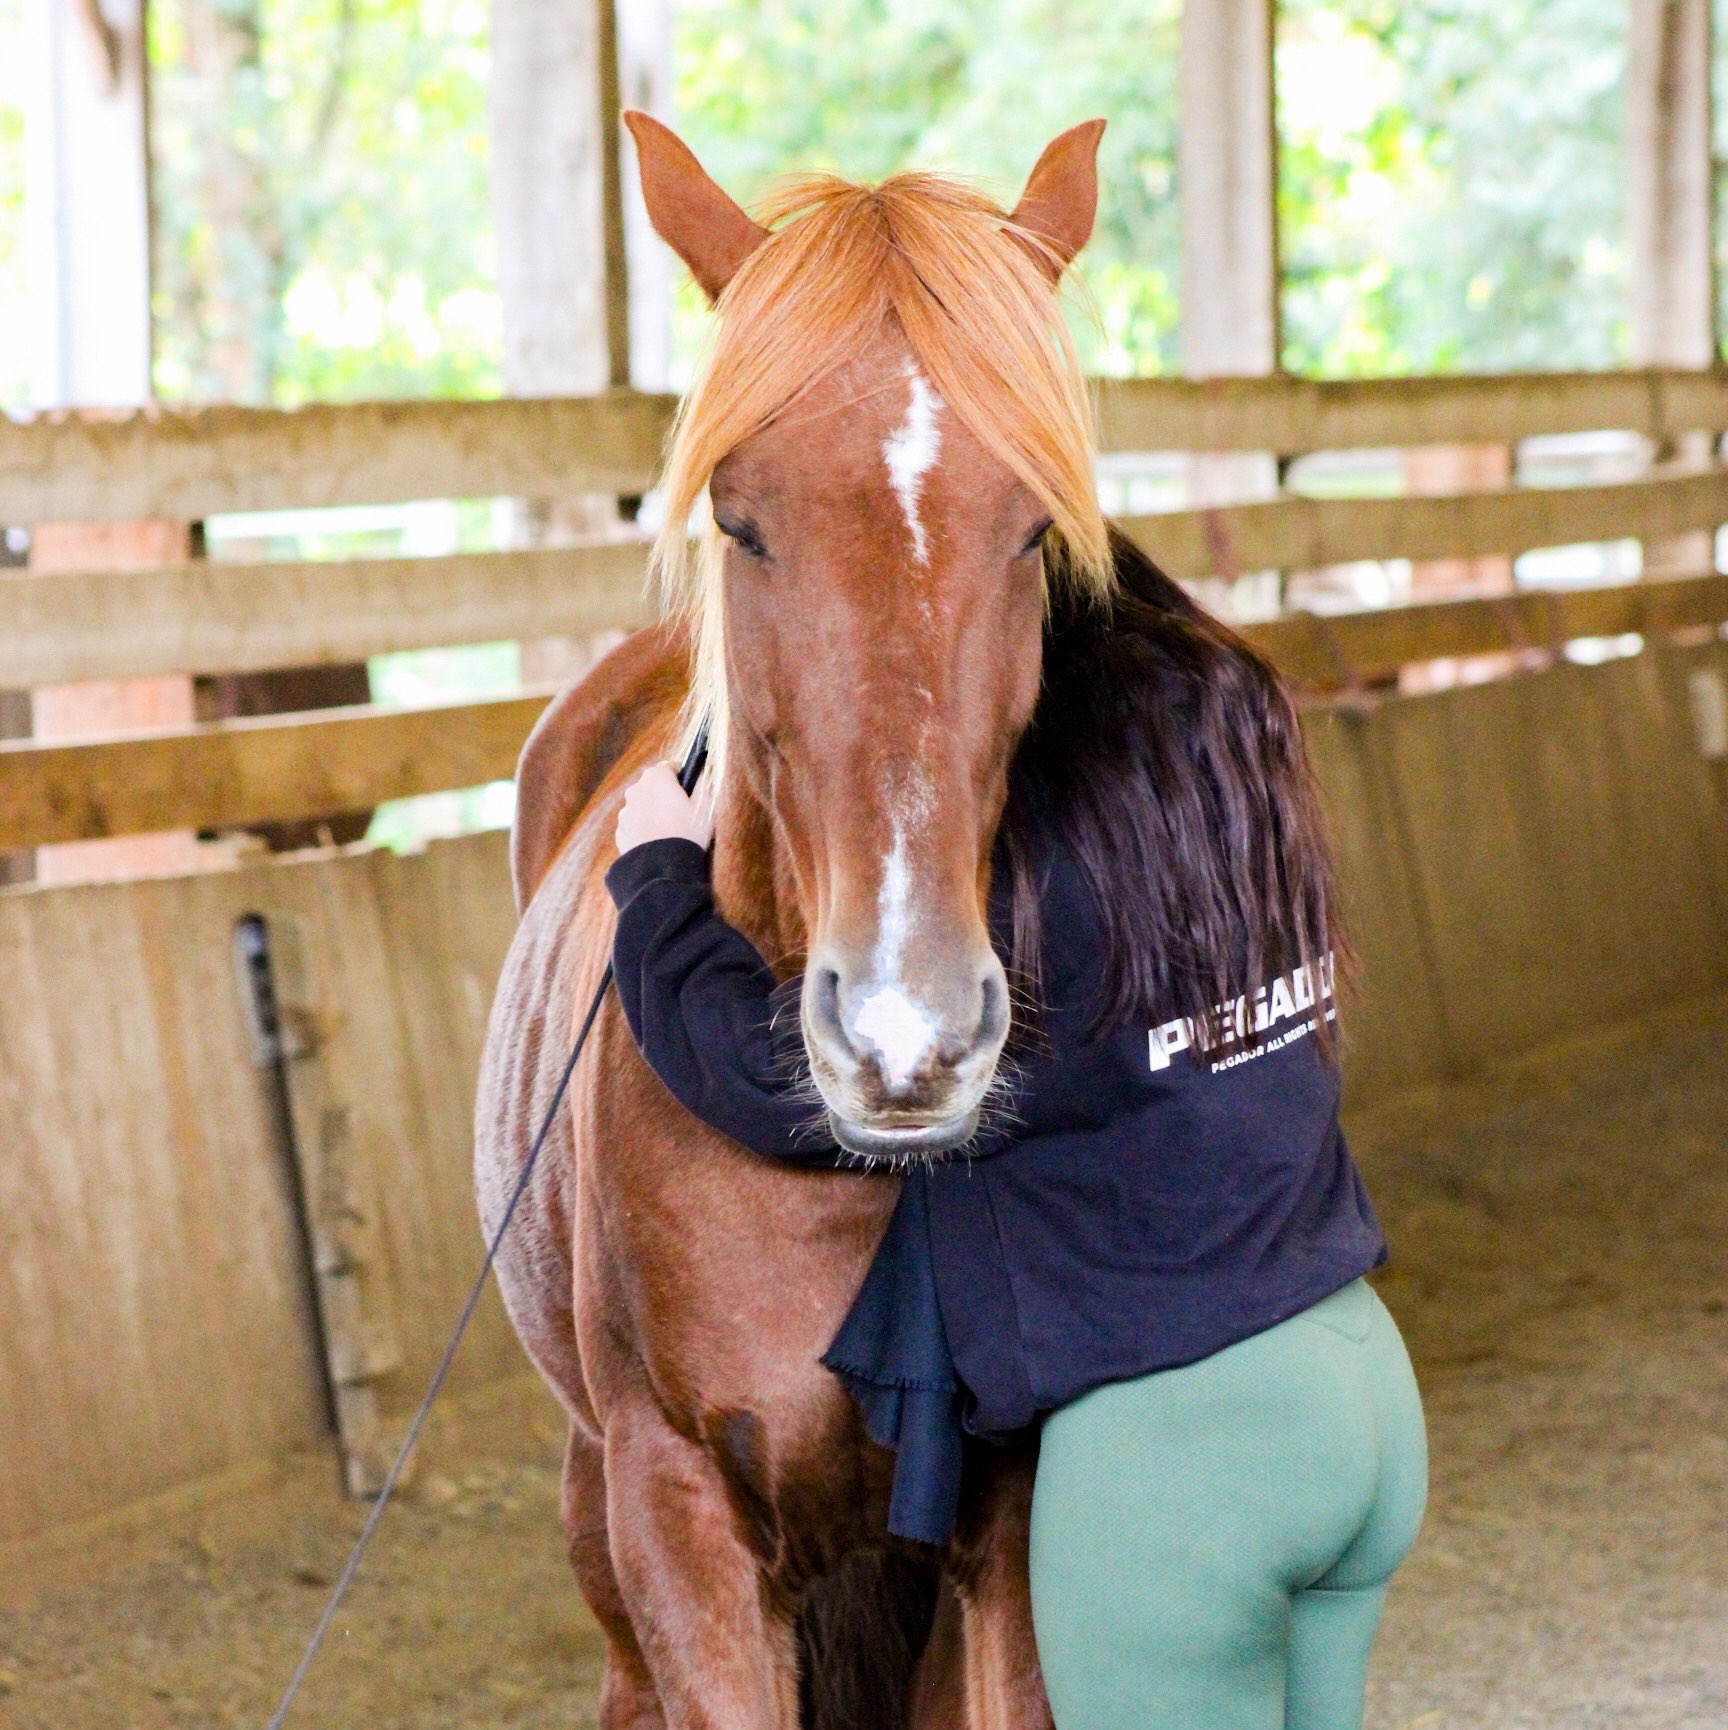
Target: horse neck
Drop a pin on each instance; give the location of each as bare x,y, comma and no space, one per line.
754,887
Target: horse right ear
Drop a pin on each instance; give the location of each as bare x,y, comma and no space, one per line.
706,228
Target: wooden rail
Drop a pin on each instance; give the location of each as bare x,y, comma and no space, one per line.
283,768
1290,416
1306,533
208,618
1330,653
226,773
190,464
212,617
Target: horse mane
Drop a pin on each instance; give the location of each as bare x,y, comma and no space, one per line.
1167,756
970,291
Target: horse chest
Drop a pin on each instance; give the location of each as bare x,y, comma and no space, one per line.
725,1273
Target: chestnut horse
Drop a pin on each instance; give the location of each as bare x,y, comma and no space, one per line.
890,427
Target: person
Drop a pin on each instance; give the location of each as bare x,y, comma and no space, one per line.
1157,1257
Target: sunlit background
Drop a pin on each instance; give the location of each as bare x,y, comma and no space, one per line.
1450,199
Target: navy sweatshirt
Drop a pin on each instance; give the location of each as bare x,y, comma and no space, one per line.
1137,1210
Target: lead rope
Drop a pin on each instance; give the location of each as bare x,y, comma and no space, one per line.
687,778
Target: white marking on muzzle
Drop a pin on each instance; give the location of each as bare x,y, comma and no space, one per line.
910,452
898,1029
887,1018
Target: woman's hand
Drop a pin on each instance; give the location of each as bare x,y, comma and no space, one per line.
656,808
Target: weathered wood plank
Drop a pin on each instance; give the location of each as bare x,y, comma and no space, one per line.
143,1196
1293,415
228,773
194,463
218,618
1306,533
1330,653
293,767
235,618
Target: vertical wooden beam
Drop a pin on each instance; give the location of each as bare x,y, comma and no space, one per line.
1669,192
617,263
87,207
548,194
645,81
87,220
1227,175
557,208
1227,181
1670,197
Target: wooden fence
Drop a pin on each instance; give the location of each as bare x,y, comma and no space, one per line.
217,618
1523,858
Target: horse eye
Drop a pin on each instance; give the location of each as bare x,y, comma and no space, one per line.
745,535
1037,539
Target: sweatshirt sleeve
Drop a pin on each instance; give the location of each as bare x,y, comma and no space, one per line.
700,1002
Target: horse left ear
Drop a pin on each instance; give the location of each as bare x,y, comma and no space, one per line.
689,212
1061,197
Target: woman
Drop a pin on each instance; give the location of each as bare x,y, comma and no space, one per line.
1156,1253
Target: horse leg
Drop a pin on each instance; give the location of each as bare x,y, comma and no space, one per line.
718,1657
939,1687
628,1700
1004,1687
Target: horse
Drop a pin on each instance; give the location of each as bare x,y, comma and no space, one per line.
888,453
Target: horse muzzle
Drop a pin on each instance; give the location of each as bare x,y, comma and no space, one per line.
903,1067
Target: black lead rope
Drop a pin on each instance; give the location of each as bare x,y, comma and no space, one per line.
687,778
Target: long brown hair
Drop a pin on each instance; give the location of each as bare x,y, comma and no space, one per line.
1167,756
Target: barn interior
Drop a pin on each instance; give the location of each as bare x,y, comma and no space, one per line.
1407,334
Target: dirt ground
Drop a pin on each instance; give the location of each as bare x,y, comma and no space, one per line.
1559,1231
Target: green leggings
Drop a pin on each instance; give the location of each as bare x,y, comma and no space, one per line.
1211,1545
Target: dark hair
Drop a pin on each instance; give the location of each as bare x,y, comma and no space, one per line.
1167,756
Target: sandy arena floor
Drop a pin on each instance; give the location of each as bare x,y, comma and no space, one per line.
1559,1231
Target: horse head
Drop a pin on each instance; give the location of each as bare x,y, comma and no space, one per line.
888,430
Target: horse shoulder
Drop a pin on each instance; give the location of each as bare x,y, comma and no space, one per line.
579,738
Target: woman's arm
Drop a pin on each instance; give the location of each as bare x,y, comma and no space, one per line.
699,999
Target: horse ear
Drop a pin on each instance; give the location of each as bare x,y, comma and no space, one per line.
708,230
1061,196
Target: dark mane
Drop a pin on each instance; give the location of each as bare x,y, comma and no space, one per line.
1167,756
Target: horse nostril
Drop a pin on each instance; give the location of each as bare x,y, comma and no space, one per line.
825,1006
993,1015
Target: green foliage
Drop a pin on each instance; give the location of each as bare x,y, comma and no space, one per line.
320,176
1452,191
868,87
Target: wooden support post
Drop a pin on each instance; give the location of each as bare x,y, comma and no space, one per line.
1227,173
67,712
1670,196
1227,176
645,82
358,1304
557,207
1458,469
88,230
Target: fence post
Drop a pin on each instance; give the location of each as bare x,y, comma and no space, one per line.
1670,198
1227,180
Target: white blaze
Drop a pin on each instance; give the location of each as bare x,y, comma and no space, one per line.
910,452
888,1019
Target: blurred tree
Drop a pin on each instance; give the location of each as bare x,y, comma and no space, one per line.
1452,191
320,177
867,87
